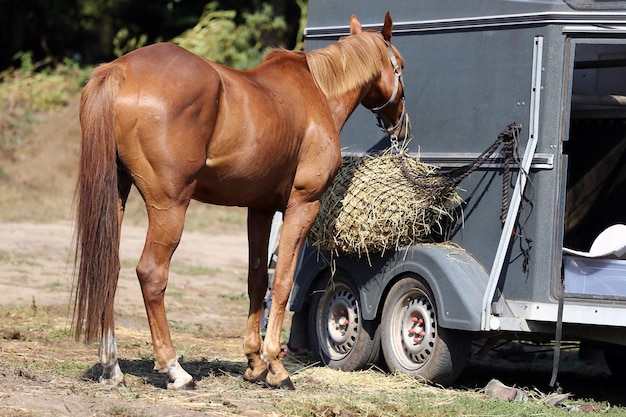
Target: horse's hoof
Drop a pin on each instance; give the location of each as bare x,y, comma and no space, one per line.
112,379
280,384
185,386
286,384
250,377
178,377
111,382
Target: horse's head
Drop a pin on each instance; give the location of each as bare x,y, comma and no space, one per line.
386,95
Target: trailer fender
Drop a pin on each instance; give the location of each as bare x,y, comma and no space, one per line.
456,279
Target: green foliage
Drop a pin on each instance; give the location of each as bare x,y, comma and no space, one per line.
218,37
124,43
33,88
304,11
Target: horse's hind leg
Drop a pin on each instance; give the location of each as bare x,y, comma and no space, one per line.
166,218
111,372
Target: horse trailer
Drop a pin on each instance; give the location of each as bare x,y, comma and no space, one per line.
535,254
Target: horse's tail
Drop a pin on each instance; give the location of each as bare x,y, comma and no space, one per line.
97,200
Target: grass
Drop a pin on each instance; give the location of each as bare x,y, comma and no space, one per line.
61,367
234,297
192,270
54,285
34,323
5,256
24,204
124,411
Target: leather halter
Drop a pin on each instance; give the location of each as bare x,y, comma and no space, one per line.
384,124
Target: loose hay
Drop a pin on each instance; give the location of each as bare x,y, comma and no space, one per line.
381,202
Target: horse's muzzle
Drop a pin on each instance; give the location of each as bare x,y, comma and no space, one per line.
404,131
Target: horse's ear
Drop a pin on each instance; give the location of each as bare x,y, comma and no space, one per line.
355,26
386,32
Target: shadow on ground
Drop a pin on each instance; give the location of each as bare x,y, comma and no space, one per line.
527,366
199,370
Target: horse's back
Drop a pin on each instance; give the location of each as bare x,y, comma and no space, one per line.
165,69
163,57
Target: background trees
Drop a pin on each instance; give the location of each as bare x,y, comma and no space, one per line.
93,31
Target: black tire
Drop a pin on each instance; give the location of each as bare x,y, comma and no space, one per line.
338,335
411,339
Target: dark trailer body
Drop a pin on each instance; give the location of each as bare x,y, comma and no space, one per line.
472,67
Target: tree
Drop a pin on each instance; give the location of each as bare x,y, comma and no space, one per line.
87,29
216,36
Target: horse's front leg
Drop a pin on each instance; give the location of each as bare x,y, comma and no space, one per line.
259,224
297,222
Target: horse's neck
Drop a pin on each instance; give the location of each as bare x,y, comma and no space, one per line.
343,106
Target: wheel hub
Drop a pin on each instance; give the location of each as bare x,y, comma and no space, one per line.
341,323
417,330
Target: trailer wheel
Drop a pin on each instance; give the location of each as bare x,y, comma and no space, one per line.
338,335
412,341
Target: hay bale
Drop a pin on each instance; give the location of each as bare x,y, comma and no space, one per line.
381,202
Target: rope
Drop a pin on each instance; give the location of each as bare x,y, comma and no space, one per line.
507,138
508,142
508,148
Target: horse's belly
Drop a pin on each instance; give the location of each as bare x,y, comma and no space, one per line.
237,186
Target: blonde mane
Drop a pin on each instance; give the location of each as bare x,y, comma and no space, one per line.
347,64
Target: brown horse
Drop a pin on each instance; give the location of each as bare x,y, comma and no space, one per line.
180,127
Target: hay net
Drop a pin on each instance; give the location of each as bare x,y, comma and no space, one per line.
391,200
383,202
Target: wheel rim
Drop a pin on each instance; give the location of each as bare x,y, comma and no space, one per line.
338,321
414,330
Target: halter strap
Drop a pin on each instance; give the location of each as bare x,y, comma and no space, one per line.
392,130
398,80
